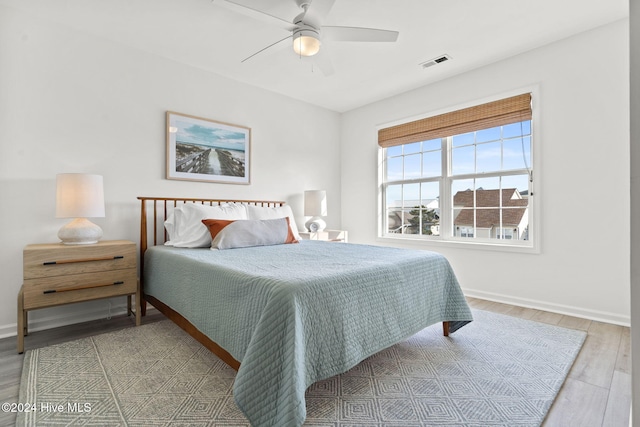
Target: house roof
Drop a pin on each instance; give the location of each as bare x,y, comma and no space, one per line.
513,208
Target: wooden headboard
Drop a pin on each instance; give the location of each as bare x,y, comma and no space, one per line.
154,211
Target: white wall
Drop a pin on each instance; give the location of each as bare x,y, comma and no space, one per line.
582,174
70,102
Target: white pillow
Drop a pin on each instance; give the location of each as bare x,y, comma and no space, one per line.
170,226
187,229
227,234
263,212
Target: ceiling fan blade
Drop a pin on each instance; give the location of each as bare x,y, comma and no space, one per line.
323,61
357,34
256,14
318,10
278,44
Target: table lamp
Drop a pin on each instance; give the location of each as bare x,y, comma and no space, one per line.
315,206
79,196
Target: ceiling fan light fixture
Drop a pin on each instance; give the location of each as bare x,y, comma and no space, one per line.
306,43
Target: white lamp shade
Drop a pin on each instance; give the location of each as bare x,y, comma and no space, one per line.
315,203
79,195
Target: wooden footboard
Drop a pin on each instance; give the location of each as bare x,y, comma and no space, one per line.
179,320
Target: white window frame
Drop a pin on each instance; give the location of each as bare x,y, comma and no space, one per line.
446,237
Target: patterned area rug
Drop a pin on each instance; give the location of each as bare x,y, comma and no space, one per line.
496,371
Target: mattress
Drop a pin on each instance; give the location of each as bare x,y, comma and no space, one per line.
298,313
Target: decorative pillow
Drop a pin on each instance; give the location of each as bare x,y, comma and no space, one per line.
186,230
262,212
229,234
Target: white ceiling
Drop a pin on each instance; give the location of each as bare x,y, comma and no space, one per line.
210,36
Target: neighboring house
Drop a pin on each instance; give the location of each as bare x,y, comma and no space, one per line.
487,218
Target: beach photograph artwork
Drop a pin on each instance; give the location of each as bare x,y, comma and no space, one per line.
200,149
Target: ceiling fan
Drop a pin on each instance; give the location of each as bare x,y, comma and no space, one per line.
306,29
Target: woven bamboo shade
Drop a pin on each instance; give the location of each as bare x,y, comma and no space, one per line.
491,114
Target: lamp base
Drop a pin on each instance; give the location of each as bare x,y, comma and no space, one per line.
80,231
315,224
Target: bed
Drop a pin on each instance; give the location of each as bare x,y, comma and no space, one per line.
288,315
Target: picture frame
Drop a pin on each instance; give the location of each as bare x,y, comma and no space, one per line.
200,149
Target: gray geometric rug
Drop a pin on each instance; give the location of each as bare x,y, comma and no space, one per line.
496,371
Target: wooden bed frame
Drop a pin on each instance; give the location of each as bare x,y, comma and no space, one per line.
154,211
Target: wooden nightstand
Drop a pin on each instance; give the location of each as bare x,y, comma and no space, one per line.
56,274
327,235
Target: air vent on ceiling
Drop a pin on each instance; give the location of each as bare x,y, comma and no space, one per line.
434,61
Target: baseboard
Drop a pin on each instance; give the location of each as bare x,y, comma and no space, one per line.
599,316
77,316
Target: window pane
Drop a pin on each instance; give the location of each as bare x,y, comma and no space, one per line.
412,148
396,150
486,184
514,130
491,134
461,185
487,204
394,196
414,220
464,223
463,139
394,169
488,157
515,208
408,225
430,208
506,233
464,231
411,195
431,164
432,144
394,220
394,208
519,182
462,160
516,152
527,150
412,166
430,194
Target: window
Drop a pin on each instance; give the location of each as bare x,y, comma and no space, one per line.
463,176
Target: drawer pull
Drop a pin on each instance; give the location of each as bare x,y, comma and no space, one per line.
77,288
71,261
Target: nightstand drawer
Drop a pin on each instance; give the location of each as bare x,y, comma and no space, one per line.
50,260
45,292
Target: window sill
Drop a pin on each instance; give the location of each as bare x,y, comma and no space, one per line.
483,245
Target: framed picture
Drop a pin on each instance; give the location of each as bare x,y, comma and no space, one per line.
205,150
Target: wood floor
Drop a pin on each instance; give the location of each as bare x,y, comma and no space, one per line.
597,391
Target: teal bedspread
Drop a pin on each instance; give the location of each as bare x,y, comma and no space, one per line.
295,314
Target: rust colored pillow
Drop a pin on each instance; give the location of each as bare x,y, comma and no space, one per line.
228,234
